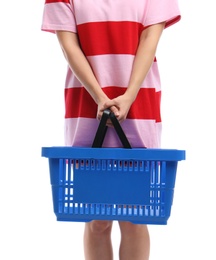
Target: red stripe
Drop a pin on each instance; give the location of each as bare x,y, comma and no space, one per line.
175,20
97,37
56,1
78,103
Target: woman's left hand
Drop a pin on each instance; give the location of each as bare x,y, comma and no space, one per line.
121,105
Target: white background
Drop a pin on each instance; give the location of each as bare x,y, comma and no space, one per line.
32,73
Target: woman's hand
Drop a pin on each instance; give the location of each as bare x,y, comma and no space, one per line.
120,106
105,103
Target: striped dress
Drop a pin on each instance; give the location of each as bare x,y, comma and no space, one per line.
109,32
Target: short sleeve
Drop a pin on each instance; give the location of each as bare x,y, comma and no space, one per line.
162,11
58,15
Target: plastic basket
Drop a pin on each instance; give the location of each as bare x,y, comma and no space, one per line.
135,185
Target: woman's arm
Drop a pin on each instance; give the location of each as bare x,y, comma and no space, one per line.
81,68
142,62
79,64
144,57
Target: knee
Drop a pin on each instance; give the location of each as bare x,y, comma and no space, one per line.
99,227
129,228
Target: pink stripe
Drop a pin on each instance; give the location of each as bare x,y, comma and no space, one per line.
58,16
117,10
107,75
140,133
160,11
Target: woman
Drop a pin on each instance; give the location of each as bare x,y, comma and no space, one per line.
110,48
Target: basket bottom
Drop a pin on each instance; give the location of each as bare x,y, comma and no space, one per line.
144,221
137,214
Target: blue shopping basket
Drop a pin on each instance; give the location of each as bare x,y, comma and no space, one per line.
122,184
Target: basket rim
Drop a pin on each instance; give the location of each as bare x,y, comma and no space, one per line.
68,152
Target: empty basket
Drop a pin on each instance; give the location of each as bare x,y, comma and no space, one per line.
135,185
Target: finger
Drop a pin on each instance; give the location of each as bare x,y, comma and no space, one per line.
99,115
110,103
115,110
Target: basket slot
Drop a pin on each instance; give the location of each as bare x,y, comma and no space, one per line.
158,173
111,210
62,185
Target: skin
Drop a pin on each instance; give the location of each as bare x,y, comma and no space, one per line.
135,241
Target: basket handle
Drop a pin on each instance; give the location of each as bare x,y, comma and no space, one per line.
102,129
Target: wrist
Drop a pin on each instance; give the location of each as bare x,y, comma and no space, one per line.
131,94
100,97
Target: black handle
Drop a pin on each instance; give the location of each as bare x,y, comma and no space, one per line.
102,128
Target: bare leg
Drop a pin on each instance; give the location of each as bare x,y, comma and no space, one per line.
135,242
97,240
